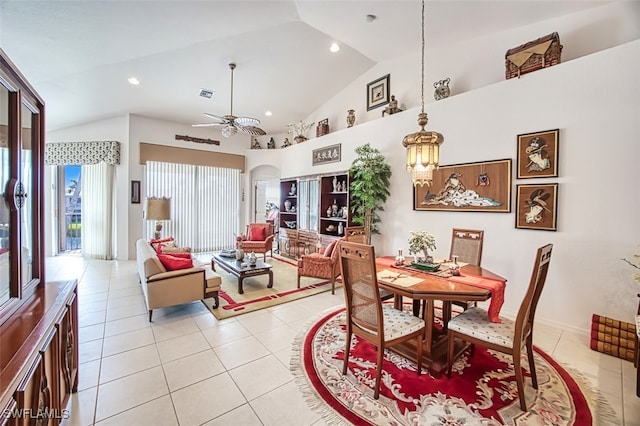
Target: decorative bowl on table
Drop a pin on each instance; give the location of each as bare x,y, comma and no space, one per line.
430,267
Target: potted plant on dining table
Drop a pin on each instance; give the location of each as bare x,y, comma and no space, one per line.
420,242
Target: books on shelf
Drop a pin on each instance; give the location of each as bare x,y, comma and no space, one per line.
613,337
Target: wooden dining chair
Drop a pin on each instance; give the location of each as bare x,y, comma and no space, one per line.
474,326
466,246
367,317
355,234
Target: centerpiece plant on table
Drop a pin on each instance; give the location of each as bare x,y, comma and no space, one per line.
420,242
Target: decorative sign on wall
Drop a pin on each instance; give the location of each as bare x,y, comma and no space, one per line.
484,186
537,206
538,154
328,154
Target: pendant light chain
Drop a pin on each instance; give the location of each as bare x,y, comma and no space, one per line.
422,87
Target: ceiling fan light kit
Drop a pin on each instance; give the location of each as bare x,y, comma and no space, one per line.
231,123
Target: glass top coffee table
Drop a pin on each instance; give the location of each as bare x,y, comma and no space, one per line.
235,268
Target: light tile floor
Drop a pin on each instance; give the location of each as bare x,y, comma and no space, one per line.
187,368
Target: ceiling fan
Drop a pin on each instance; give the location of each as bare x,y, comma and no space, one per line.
232,123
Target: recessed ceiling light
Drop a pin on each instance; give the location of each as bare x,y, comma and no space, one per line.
133,81
268,113
334,47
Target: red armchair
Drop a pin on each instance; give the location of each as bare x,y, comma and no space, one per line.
321,265
258,239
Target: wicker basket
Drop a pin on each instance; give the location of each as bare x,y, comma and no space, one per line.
322,128
534,55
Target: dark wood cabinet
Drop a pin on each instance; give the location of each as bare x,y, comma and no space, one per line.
38,319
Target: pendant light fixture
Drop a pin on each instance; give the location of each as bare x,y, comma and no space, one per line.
423,147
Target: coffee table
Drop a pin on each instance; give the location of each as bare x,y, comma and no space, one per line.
235,268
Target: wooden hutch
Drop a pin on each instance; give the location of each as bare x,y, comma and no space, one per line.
314,210
38,320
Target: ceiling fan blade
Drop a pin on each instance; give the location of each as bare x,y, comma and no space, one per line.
247,121
225,120
208,124
252,130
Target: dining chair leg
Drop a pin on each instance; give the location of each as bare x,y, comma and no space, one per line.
420,338
376,393
519,380
346,351
532,365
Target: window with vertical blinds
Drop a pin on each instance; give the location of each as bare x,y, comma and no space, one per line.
205,204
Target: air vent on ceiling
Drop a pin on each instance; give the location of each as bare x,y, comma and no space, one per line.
206,93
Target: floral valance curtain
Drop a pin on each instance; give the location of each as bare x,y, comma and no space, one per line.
81,153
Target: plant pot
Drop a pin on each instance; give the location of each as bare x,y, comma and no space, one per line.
300,139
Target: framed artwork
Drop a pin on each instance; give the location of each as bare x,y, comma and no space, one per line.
135,192
538,154
378,92
328,154
537,206
475,187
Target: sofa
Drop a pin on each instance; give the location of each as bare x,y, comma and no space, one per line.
164,288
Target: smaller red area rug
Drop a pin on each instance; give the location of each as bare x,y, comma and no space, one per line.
257,296
481,391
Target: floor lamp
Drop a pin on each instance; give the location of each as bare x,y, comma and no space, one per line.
158,209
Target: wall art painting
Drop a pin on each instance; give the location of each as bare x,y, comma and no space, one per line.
483,186
378,92
135,192
537,207
538,154
328,154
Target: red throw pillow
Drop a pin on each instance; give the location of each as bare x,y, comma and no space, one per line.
257,233
184,255
172,262
157,243
329,250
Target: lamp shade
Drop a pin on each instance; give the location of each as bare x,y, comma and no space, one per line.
158,208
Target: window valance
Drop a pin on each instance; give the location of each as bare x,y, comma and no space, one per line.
78,153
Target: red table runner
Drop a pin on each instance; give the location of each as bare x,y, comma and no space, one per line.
497,292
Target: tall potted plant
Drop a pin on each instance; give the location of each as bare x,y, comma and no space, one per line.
369,188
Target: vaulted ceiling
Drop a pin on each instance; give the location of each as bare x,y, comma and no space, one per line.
79,54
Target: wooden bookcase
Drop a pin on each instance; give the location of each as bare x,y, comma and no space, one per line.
289,204
334,204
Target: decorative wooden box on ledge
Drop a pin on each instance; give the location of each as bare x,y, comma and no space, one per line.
532,56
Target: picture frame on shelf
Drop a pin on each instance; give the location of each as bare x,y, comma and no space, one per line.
378,92
537,154
477,187
537,206
328,154
135,192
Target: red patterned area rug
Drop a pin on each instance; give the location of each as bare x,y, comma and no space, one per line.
481,391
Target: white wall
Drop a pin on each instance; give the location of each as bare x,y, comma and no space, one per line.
595,106
477,63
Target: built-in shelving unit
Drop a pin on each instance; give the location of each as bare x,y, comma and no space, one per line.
334,204
289,204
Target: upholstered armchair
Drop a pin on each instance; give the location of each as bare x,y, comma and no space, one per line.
321,265
258,239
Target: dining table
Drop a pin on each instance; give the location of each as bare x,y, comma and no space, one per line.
406,281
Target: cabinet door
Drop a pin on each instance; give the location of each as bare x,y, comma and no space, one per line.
5,175
36,395
67,328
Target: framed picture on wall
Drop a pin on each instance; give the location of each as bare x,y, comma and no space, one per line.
538,154
328,154
378,92
476,187
537,206
135,192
